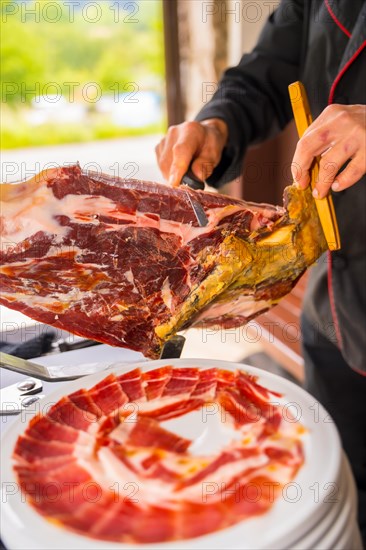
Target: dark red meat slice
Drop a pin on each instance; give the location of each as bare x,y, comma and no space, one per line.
241,409
225,378
89,514
121,453
31,450
255,394
206,385
46,464
173,410
247,383
53,498
65,474
43,427
157,525
201,519
131,384
250,499
83,400
66,412
155,381
224,458
161,472
107,424
118,522
108,395
182,381
279,455
147,432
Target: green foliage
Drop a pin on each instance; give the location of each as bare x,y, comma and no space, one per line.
18,63
117,49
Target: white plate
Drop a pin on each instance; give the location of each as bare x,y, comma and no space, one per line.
342,531
290,518
333,519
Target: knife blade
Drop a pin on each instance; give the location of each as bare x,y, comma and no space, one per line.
190,180
52,373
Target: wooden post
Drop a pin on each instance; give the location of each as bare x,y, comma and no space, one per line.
174,99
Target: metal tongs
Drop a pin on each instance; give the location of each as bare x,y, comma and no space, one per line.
325,207
190,180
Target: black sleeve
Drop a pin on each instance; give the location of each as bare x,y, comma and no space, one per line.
252,98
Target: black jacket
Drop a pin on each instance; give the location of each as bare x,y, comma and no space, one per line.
323,44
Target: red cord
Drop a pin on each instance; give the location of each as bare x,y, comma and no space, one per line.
336,21
343,70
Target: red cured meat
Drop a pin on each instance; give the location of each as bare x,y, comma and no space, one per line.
225,378
89,513
206,385
201,519
55,498
146,432
279,455
65,474
162,472
131,384
174,409
155,381
108,395
125,262
158,524
83,401
221,460
31,450
67,413
122,477
43,427
121,517
245,502
241,409
120,451
107,424
44,465
181,381
248,385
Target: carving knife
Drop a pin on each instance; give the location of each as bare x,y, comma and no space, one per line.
325,207
191,181
173,347
52,373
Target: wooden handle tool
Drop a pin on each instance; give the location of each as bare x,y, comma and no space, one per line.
325,206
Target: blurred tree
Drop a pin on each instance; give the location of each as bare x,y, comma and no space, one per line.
56,47
21,65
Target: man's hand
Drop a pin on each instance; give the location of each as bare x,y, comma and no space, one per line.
338,135
203,141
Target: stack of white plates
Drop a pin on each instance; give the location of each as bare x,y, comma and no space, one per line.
334,525
316,510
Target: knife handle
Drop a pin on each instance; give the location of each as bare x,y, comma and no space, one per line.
192,181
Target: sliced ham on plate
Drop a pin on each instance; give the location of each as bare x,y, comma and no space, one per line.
112,462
